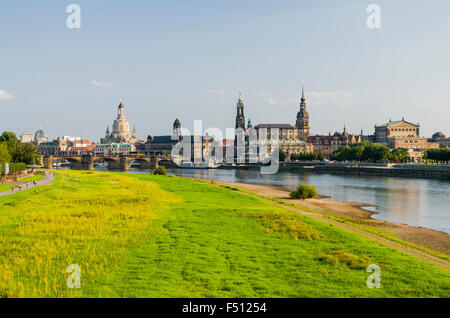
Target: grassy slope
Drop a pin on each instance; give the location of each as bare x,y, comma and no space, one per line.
6,187
142,235
36,177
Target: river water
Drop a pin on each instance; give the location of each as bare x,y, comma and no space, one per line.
417,202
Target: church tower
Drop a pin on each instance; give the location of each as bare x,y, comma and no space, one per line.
121,126
240,118
302,122
176,132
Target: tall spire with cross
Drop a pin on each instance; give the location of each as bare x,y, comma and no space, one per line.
302,122
240,117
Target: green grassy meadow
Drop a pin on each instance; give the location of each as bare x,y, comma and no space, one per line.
36,177
136,235
6,187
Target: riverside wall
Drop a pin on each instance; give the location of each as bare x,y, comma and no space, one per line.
379,169
411,171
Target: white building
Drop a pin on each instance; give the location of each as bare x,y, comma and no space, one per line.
114,149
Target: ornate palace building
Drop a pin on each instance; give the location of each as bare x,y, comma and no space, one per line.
403,134
327,144
292,139
121,130
164,144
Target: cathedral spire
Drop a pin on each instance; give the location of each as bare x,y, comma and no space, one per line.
303,92
240,117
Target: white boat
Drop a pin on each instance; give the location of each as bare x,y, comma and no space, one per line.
201,165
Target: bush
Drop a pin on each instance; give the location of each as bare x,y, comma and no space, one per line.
303,192
160,171
307,156
13,167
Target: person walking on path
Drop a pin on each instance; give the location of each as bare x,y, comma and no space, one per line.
48,178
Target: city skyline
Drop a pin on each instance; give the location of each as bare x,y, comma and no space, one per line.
165,64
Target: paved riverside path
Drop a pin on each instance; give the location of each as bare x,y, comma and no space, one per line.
48,178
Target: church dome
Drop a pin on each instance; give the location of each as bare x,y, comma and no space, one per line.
40,134
438,135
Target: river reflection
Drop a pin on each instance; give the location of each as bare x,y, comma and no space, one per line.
418,202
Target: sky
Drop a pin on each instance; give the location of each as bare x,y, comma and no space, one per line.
190,58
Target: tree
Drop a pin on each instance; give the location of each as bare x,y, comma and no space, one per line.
303,192
11,140
283,155
28,153
363,151
399,155
308,156
5,157
160,171
439,155
19,152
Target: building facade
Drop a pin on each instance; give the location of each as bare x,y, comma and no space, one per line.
56,147
164,144
26,138
395,129
291,139
402,134
121,149
330,143
81,147
61,146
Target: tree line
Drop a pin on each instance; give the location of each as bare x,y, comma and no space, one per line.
16,154
307,156
366,151
439,155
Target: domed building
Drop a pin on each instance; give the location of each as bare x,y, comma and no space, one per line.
440,138
120,130
40,136
438,135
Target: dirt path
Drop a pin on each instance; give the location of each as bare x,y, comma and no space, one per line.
29,185
262,190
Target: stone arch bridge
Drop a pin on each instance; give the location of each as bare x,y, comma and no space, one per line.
86,162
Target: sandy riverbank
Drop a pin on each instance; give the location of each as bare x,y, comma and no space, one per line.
353,212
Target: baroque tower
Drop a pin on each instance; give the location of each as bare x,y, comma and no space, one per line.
240,118
302,122
176,132
120,130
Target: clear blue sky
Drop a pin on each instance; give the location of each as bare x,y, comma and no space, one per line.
190,58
